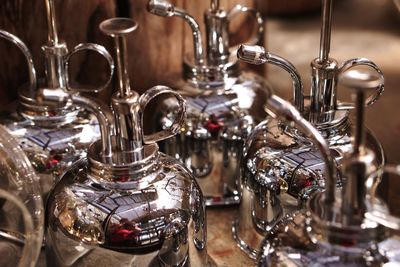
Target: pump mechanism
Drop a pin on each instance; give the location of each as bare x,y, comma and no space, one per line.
220,59
358,210
123,148
324,108
57,60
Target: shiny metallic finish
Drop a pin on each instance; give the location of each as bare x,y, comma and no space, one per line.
211,140
325,70
53,134
281,167
341,231
157,223
282,155
127,201
223,103
289,244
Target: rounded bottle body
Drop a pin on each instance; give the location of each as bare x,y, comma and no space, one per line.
289,244
280,169
218,121
160,221
52,146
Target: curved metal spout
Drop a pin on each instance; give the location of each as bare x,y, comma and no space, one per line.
287,113
257,55
101,111
21,45
164,8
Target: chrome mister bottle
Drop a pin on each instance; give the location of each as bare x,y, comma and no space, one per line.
53,135
127,204
279,153
350,227
224,103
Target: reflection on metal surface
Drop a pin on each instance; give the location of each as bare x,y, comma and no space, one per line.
342,230
166,216
210,143
223,103
126,200
282,155
53,133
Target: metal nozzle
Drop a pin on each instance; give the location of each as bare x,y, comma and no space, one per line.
128,131
257,55
161,8
166,9
118,28
252,54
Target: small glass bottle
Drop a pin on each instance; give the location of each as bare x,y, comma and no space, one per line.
283,155
53,135
347,228
224,103
127,204
22,212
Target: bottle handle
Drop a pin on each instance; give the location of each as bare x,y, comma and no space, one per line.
90,47
24,49
150,95
378,213
349,64
259,33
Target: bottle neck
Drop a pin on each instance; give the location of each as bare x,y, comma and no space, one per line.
135,174
128,129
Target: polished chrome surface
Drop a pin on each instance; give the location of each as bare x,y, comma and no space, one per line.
211,140
166,9
53,133
340,231
22,212
257,55
223,104
324,107
289,244
280,169
127,200
57,60
288,156
161,223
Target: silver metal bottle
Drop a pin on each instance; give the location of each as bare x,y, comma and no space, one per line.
53,135
346,228
283,156
127,204
224,103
